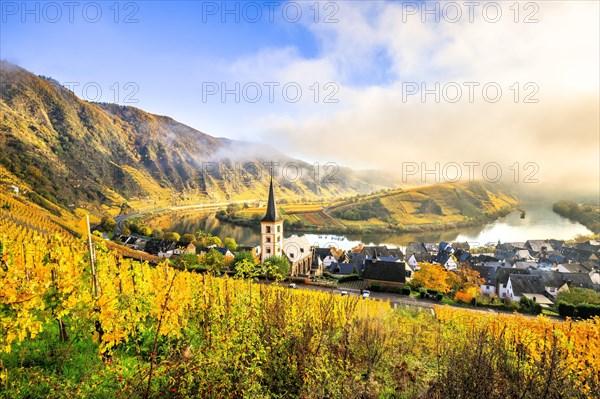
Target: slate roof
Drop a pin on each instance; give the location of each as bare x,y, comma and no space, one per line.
526,265
415,248
271,214
487,273
385,271
576,254
503,273
591,246
322,253
346,268
538,245
556,279
526,284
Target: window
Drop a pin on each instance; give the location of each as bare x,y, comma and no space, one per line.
301,250
278,238
268,229
279,229
291,255
268,239
268,250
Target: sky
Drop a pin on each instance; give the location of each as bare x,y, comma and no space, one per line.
429,90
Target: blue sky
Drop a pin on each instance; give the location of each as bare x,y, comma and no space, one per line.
353,61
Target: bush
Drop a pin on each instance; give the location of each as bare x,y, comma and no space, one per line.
405,291
587,310
422,293
350,277
375,288
582,310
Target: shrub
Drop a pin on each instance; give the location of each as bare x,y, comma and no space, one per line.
405,291
375,288
350,277
463,297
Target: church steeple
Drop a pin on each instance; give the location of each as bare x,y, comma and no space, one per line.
271,226
271,215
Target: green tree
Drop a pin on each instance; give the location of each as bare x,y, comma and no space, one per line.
214,261
172,236
157,233
275,268
108,224
188,238
146,231
246,268
207,240
230,244
243,256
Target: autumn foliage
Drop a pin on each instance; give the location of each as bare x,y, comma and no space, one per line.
161,332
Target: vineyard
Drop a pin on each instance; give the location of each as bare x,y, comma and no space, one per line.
141,331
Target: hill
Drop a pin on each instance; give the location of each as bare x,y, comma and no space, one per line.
73,153
433,207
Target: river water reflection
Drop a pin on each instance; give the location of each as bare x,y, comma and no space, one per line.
539,223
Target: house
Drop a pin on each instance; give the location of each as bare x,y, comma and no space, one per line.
522,255
507,250
488,274
578,255
527,265
323,257
184,248
589,246
538,247
502,276
419,250
463,257
461,246
554,282
416,258
384,274
299,253
382,251
347,268
520,284
445,256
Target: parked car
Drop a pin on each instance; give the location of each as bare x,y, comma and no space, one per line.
292,285
366,294
344,293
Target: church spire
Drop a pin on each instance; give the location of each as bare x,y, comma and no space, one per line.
271,215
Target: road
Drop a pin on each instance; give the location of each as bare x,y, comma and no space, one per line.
122,218
401,300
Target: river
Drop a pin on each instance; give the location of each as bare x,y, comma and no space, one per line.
539,223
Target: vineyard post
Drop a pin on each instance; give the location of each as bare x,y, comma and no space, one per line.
92,255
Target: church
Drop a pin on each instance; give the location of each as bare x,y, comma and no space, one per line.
297,250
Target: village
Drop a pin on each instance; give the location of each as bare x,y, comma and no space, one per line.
531,273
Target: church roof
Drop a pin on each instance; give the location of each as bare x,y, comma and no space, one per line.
271,215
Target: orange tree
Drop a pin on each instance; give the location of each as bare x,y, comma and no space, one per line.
431,276
464,283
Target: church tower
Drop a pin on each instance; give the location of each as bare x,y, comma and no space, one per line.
271,229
